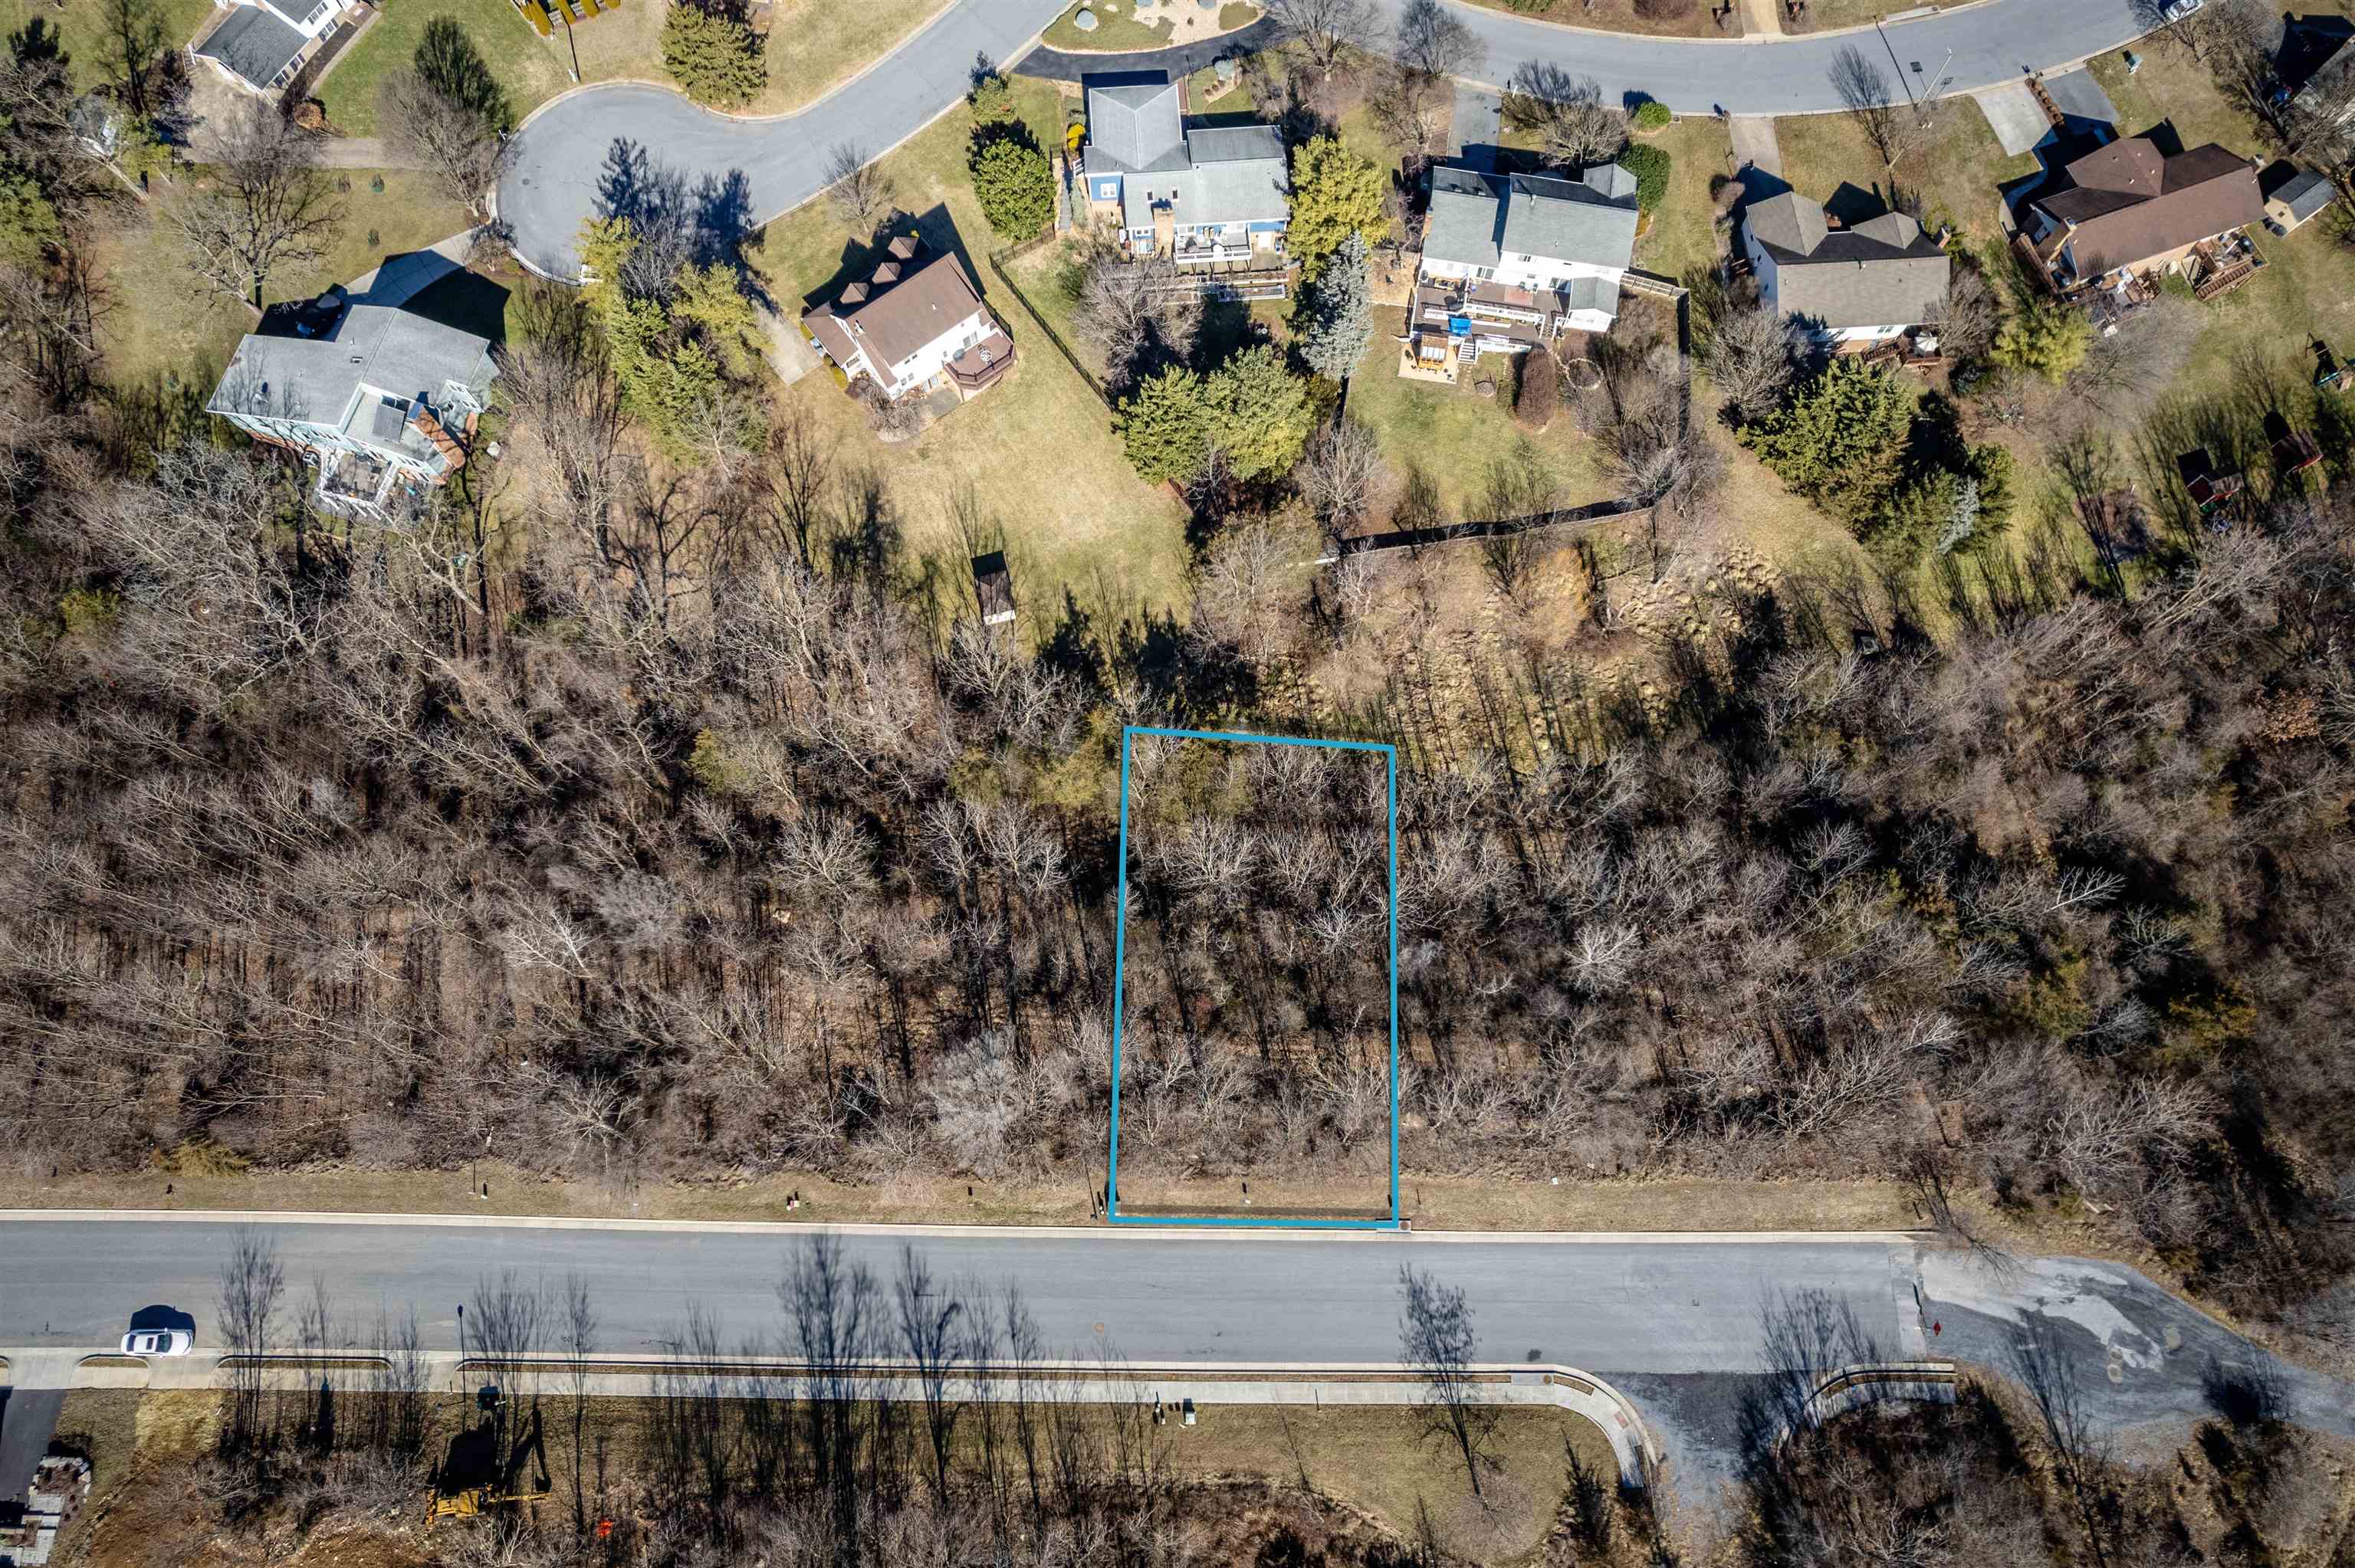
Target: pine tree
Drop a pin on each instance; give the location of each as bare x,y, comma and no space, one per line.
1012,182
716,58
1334,193
1962,516
1165,426
1260,416
1340,314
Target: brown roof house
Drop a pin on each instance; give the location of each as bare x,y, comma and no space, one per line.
914,325
1845,285
2126,207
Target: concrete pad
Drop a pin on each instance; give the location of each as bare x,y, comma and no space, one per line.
1478,126
789,352
2081,97
2017,120
1754,145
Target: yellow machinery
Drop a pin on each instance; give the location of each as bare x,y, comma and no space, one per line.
474,1500
482,1472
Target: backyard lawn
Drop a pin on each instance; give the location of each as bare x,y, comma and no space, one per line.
1124,25
522,66
83,28
1037,451
1454,436
163,320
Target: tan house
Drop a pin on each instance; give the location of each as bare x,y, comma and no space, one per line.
2126,211
912,325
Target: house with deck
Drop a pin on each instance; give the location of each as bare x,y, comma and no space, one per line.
260,46
914,325
1205,196
381,400
1847,286
1511,262
2115,219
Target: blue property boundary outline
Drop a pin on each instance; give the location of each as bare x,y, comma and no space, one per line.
1120,988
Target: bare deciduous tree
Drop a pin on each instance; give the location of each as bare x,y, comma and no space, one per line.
252,1282
1436,1339
1890,124
1749,356
1343,470
1566,112
1327,32
1434,41
859,188
266,204
455,144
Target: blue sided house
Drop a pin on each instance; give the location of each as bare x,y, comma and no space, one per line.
1209,196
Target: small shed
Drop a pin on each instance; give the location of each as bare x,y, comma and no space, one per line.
993,588
2300,197
2211,491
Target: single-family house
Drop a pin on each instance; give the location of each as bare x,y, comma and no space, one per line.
259,45
913,324
381,400
1846,284
2128,210
1205,196
1511,261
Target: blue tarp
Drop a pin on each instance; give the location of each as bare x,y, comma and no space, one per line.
1459,327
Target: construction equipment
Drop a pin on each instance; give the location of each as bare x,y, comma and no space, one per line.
483,1472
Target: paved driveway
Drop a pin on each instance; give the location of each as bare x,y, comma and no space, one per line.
551,183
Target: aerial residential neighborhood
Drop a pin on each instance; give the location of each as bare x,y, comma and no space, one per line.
1327,783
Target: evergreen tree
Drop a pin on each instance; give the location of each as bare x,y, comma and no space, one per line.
1012,182
1166,426
1261,416
1341,318
717,58
2047,337
447,62
1334,193
1839,440
1962,516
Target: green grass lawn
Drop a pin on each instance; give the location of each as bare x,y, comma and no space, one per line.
82,26
523,65
1955,169
1683,233
1454,435
162,319
1037,451
1825,14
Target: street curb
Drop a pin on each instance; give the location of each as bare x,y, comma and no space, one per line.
786,1228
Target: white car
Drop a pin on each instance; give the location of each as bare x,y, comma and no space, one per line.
158,1342
2182,8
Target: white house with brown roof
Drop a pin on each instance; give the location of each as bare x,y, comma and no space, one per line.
1844,285
915,323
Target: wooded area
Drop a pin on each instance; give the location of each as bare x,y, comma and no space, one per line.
696,861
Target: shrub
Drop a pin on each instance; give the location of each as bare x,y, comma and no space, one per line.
1650,166
1652,115
1536,397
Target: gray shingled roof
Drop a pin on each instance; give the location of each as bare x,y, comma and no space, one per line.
1134,128
313,378
2305,194
1462,226
254,43
1882,272
1568,221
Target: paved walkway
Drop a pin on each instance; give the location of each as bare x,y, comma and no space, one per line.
765,167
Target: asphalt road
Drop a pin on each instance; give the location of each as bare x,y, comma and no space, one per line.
1673,1306
1674,1322
552,180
